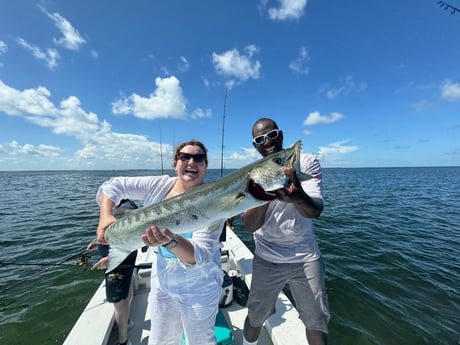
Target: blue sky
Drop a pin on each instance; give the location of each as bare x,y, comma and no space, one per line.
101,84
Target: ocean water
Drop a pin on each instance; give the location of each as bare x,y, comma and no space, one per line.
390,239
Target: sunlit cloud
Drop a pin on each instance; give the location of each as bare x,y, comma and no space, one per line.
183,65
235,65
32,150
166,101
71,38
422,105
201,113
315,118
100,145
28,103
333,151
287,10
300,64
450,91
3,48
50,56
94,54
345,87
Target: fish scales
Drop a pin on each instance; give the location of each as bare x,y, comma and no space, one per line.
206,206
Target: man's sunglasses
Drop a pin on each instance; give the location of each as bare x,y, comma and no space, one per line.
271,135
185,157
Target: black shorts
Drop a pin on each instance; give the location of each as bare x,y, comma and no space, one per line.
118,281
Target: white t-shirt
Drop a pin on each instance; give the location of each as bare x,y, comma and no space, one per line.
286,235
193,285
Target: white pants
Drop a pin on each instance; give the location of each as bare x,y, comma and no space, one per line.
185,301
168,322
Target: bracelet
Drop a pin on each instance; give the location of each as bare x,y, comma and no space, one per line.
171,244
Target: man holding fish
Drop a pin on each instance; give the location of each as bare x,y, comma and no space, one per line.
286,248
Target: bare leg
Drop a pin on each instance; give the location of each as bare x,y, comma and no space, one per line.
122,310
316,337
251,333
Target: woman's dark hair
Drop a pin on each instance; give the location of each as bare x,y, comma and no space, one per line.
191,142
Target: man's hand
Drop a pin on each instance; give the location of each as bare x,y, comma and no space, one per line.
293,189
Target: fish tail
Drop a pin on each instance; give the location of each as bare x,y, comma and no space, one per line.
116,257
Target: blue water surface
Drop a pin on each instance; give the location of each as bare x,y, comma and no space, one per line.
389,237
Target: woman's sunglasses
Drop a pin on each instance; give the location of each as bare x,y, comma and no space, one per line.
185,157
271,135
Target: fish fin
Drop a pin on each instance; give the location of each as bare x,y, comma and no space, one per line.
119,212
233,201
116,257
215,226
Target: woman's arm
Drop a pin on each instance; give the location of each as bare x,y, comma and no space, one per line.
106,217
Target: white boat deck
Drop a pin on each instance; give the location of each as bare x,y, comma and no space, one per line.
96,323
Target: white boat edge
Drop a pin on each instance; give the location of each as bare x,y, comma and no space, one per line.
96,325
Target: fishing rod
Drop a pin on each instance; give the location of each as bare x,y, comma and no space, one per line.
12,263
82,259
223,130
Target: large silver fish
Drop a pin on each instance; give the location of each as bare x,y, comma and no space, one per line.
205,206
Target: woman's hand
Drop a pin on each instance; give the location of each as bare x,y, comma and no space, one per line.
102,264
154,237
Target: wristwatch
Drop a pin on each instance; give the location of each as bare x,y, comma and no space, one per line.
171,244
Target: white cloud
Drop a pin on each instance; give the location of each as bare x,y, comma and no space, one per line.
3,48
249,155
31,150
315,118
288,10
28,102
101,146
421,105
450,91
167,101
183,65
71,38
233,64
50,56
299,64
201,113
346,86
334,150
94,54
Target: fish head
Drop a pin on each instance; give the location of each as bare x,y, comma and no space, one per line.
267,174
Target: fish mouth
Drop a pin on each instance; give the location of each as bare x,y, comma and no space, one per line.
258,192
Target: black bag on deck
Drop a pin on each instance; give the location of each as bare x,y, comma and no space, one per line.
240,291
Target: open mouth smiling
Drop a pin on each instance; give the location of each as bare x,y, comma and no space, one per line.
191,171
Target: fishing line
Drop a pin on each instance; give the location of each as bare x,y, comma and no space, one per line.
82,260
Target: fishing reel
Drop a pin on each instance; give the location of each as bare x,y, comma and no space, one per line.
83,260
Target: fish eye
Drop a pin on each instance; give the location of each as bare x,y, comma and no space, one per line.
277,160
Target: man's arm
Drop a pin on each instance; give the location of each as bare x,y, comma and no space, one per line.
254,218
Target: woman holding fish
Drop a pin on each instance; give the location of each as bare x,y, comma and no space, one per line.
186,273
